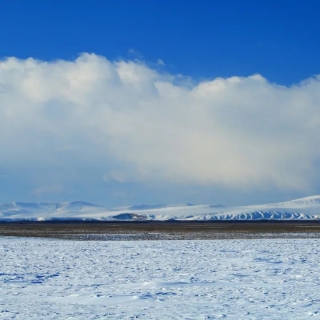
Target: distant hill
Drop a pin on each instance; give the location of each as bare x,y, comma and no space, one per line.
300,209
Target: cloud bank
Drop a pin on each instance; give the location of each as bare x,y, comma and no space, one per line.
124,121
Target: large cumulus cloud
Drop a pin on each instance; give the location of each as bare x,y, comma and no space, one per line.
135,123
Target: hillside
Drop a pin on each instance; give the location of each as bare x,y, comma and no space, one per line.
300,209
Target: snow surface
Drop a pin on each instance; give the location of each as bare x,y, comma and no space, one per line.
300,209
231,279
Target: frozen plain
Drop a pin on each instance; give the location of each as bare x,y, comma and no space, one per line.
231,279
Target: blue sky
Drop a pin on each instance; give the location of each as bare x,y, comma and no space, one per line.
203,39
169,57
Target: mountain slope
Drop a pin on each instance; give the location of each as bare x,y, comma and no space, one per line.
300,209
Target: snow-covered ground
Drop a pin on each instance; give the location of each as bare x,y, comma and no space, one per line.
232,279
301,209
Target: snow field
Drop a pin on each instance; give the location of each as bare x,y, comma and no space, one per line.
230,279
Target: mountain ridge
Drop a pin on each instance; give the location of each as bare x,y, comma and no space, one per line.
307,208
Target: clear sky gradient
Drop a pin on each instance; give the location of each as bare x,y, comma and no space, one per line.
203,39
166,54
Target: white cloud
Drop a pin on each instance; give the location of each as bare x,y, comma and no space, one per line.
160,62
239,132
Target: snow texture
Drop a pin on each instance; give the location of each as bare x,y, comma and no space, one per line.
300,209
230,279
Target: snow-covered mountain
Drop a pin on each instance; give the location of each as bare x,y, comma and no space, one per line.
301,209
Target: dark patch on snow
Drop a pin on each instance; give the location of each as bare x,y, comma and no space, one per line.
130,216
